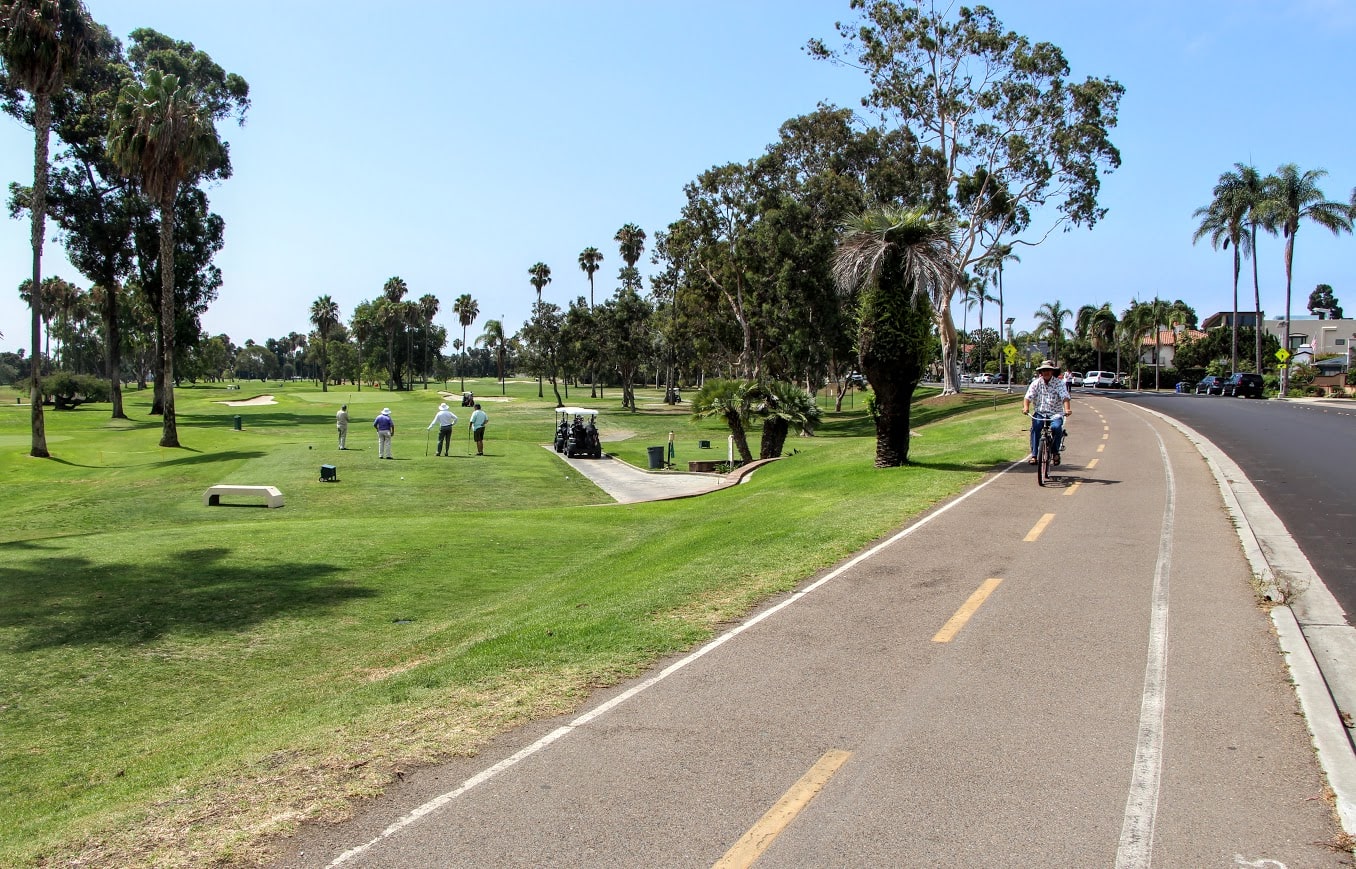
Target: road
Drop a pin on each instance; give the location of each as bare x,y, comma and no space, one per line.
1088,682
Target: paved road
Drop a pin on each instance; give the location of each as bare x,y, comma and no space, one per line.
1087,683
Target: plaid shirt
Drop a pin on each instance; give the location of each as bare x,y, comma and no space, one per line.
1047,398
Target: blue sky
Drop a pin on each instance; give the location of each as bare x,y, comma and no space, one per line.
455,144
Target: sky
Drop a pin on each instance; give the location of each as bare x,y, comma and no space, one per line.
457,143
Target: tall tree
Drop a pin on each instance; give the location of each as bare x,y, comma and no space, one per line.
391,317
589,260
1225,222
1292,198
1012,131
540,276
428,306
630,240
42,43
495,339
1324,304
466,309
162,137
324,316
894,261
1050,318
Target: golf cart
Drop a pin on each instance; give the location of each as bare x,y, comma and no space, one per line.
577,433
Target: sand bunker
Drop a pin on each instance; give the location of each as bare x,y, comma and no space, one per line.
258,399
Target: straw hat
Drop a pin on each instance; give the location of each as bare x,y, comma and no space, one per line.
1047,365
385,411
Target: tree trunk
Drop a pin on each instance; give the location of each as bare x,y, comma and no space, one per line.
42,122
113,352
1257,304
169,436
946,328
741,438
893,408
774,437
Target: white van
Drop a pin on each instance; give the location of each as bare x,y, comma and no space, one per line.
1099,379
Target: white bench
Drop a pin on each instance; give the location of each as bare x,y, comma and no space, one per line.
212,497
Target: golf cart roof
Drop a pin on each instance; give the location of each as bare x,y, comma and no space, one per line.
576,411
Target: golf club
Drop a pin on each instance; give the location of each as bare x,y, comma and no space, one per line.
468,439
426,433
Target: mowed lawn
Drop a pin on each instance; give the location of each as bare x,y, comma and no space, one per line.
182,682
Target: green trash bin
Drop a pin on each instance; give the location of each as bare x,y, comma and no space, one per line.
236,423
656,457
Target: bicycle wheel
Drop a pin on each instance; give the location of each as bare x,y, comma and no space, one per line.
1042,458
1047,454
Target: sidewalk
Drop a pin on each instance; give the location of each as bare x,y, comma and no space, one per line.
628,484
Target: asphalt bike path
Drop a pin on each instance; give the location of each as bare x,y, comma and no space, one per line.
1077,675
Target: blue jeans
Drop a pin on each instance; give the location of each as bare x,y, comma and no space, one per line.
1056,430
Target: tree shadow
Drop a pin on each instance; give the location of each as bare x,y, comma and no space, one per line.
65,599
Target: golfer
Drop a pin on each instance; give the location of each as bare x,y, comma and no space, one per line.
444,419
385,427
478,420
341,423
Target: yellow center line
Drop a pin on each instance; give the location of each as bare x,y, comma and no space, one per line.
1105,436
1106,428
1038,529
1092,464
1101,447
957,621
1074,488
761,835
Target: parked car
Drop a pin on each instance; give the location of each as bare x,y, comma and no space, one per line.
1075,378
1210,385
1099,379
1242,384
984,378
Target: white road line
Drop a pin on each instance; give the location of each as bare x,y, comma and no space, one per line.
1141,806
564,730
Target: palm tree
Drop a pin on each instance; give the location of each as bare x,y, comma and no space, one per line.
993,262
1291,198
324,316
729,400
1225,221
588,263
1100,330
42,43
895,260
1050,319
390,317
631,241
495,339
781,406
541,276
162,137
428,309
466,309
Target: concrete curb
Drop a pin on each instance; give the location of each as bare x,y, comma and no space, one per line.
1313,634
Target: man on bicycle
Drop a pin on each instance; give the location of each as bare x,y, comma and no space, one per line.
1045,398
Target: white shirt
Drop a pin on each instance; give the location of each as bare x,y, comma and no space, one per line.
1047,397
443,417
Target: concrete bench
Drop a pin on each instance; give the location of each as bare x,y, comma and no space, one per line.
212,497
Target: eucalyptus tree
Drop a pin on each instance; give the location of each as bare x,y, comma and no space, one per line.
466,309
43,43
1292,198
542,334
893,261
1012,131
494,339
324,316
1050,319
162,137
1225,222
589,260
624,326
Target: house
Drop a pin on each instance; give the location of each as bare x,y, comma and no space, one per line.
1314,337
1166,346
1224,320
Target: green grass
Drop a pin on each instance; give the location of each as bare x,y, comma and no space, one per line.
181,681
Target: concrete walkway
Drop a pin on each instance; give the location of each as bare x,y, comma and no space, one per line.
628,484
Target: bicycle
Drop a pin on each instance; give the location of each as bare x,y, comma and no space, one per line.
1045,446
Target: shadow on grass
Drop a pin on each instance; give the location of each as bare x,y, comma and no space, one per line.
266,419
65,599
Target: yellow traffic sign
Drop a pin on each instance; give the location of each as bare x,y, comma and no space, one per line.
1283,354
1011,353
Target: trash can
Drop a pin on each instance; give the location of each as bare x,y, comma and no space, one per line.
656,457
236,423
